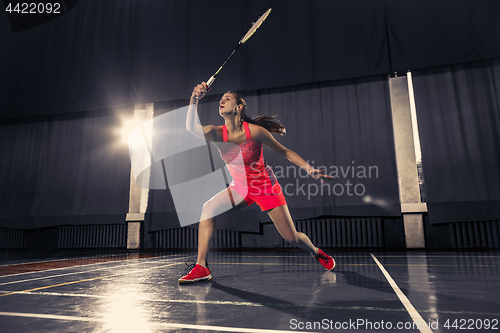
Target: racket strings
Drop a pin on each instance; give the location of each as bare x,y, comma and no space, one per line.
255,26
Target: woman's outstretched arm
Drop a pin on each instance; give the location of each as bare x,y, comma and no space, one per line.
263,135
193,121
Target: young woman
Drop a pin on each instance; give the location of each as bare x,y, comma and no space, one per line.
255,182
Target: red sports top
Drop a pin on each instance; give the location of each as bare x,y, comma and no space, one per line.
256,174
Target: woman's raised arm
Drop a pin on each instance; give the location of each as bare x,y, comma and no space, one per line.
193,121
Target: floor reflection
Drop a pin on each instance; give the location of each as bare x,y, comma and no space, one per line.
126,308
199,292
419,281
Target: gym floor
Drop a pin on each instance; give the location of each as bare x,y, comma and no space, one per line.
252,291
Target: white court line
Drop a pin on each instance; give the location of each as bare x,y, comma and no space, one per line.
437,256
82,258
191,301
301,256
39,262
233,303
151,324
86,271
85,265
64,259
97,263
91,279
417,318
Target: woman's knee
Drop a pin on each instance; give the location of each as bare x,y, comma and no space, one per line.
292,238
209,208
207,205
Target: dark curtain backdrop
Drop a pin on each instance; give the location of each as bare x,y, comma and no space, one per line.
110,54
336,125
64,169
104,54
458,113
427,33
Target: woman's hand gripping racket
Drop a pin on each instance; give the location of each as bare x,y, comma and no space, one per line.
243,40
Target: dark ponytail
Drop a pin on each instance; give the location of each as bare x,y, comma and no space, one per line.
271,124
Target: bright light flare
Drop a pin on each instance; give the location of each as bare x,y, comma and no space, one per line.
128,126
374,200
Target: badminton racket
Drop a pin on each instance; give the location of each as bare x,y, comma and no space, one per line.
243,40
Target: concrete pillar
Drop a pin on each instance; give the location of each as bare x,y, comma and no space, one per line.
414,231
133,234
404,137
138,201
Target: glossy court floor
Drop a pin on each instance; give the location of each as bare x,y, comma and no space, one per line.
252,291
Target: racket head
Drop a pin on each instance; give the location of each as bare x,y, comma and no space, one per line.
255,26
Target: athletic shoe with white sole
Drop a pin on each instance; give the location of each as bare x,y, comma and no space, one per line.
324,259
196,273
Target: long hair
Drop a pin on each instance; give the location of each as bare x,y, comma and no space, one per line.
271,124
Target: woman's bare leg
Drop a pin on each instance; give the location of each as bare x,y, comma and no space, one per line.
216,205
283,221
205,232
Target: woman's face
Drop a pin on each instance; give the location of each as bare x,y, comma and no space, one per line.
228,104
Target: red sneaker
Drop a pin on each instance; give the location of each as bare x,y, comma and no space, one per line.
196,273
325,260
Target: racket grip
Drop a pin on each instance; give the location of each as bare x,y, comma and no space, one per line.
210,81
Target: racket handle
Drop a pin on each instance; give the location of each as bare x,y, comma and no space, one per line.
210,81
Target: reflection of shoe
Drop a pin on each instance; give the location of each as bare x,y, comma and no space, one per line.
196,273
325,260
329,278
